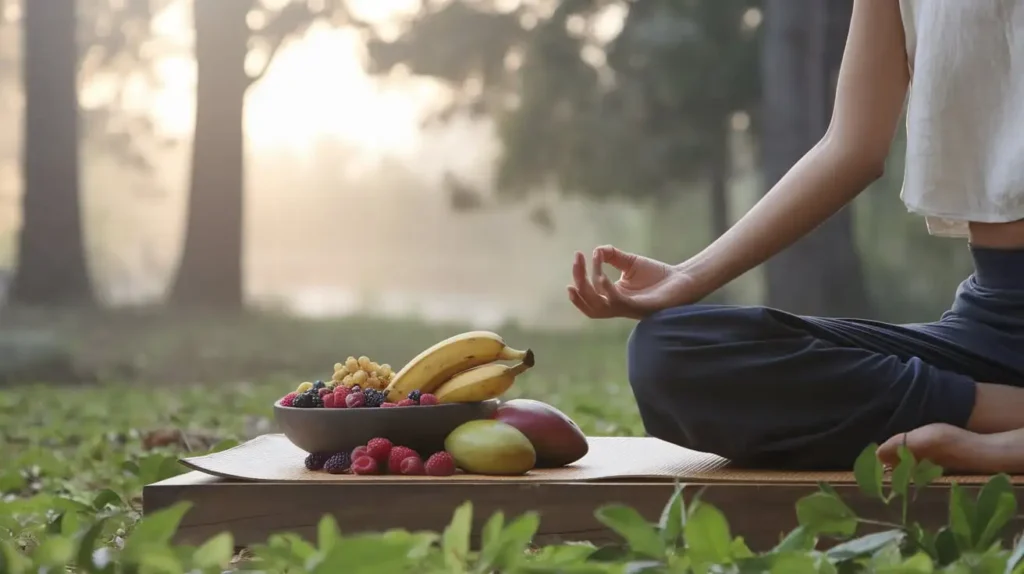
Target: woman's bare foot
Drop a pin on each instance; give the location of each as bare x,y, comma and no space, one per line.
960,451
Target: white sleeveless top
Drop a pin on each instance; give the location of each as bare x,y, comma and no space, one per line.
965,113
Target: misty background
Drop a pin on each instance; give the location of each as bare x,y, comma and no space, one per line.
434,161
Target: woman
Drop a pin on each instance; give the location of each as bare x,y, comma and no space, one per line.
766,387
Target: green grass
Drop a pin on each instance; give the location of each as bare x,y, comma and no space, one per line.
171,384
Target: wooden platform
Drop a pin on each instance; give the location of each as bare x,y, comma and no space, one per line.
254,510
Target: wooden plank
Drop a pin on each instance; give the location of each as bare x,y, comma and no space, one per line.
252,511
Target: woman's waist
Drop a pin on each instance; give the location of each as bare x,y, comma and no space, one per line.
998,235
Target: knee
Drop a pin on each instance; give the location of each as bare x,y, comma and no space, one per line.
660,357
674,348
683,369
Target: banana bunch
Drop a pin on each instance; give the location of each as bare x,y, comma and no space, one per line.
461,369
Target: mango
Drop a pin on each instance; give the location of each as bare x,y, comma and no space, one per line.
487,446
556,438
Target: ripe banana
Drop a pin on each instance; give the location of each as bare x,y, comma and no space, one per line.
482,383
440,362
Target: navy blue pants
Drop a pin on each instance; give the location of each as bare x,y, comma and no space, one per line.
768,388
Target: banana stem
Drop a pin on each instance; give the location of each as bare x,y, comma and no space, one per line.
528,360
520,368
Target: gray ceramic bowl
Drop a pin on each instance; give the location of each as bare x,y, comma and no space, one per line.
421,428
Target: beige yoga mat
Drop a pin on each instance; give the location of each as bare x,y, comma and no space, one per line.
273,458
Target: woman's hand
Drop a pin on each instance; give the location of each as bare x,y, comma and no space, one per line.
646,285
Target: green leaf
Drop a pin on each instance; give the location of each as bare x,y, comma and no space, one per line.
867,469
926,472
901,475
707,535
791,563
455,540
54,551
12,481
105,497
54,526
327,533
826,514
946,548
996,505
673,518
919,563
490,541
12,561
865,545
87,545
800,539
961,517
641,536
364,554
738,549
515,539
155,529
215,552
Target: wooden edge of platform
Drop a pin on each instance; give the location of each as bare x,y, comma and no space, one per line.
252,511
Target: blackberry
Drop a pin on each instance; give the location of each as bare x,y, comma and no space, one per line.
319,385
316,460
338,463
415,396
374,398
309,400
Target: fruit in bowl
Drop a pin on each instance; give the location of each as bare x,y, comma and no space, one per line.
442,406
422,428
454,381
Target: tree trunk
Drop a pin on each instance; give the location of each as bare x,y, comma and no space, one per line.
720,170
51,268
803,42
210,273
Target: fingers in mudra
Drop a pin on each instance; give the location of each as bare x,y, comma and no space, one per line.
595,296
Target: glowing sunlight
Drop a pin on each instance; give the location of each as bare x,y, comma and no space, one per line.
315,88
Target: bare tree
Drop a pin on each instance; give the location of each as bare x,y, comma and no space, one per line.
51,255
210,272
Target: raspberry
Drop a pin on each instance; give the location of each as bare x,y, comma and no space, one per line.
355,388
412,466
338,463
330,401
378,449
406,403
323,391
287,400
440,464
428,399
355,400
316,460
388,405
364,465
359,452
397,455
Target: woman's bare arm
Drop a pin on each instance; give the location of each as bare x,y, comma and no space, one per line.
870,92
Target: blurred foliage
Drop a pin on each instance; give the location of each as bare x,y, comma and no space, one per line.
599,97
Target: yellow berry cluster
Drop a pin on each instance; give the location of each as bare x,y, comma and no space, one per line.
363,372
